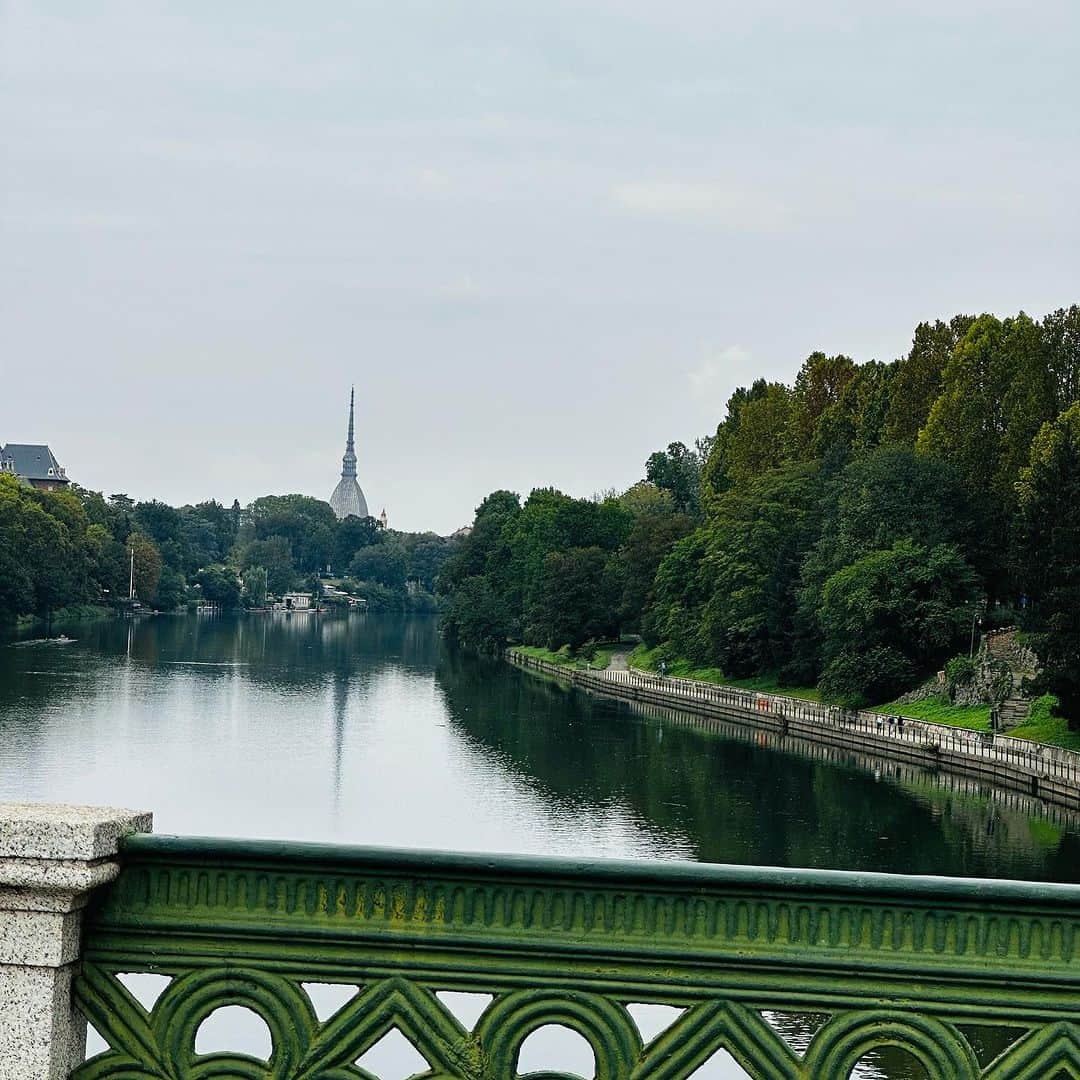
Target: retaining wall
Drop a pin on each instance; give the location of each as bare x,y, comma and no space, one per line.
1047,772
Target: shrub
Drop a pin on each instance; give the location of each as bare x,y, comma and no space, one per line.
960,671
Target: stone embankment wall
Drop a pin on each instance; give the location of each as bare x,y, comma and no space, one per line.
1047,772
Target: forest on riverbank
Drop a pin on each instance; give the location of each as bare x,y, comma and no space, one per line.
59,550
851,530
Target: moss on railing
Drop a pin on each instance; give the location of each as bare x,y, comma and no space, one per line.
903,962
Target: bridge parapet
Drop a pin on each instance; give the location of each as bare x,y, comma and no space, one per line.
914,963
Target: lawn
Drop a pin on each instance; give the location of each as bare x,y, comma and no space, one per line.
649,659
563,657
1041,726
936,711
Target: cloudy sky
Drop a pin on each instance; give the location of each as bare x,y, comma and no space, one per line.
543,239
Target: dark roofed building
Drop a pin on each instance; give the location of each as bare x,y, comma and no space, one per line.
33,465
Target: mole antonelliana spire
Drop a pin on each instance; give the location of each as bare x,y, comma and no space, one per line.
347,499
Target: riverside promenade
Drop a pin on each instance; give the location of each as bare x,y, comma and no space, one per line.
1048,772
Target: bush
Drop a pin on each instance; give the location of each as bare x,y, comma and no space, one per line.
858,678
960,671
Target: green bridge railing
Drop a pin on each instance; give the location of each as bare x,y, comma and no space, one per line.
920,964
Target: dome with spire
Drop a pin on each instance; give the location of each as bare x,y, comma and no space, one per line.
347,499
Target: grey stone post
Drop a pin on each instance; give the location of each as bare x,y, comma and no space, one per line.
52,858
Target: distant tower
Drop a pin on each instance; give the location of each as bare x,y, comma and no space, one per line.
348,500
382,518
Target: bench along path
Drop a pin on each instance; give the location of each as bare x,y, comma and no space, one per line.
1046,771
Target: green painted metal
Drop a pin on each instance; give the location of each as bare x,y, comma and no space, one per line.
903,962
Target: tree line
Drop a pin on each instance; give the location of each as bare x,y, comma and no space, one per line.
66,548
849,530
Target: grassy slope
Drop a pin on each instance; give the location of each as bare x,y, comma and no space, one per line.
934,711
648,659
601,658
1041,726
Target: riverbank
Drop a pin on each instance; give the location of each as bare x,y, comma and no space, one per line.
73,613
1046,772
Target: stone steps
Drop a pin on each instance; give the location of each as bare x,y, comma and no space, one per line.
1013,711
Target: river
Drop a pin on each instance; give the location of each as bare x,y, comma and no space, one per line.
367,729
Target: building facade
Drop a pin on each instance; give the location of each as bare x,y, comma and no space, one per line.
33,464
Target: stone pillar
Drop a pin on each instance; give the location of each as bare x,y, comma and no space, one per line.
51,860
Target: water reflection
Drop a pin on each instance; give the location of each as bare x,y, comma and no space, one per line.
367,730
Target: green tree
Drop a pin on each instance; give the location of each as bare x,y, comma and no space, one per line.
479,616
381,563
682,587
908,605
147,566
276,559
758,537
759,441
677,470
16,572
575,601
632,569
219,585
818,386
1048,529
171,590
254,586
918,380
354,533
308,524
426,554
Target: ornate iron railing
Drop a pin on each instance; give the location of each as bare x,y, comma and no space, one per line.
921,964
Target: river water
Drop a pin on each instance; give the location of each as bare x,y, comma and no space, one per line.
369,730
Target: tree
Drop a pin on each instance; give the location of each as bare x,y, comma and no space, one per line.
760,440
682,587
147,566
308,524
275,557
254,592
381,563
646,499
479,616
856,420
171,590
632,569
758,537
677,470
818,387
16,574
917,384
910,603
575,601
219,585
1048,535
354,533
426,555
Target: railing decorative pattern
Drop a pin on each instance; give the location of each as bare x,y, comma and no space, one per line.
903,962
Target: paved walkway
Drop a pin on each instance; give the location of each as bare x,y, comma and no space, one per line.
1041,759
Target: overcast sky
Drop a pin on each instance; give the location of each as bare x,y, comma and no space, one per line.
543,239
